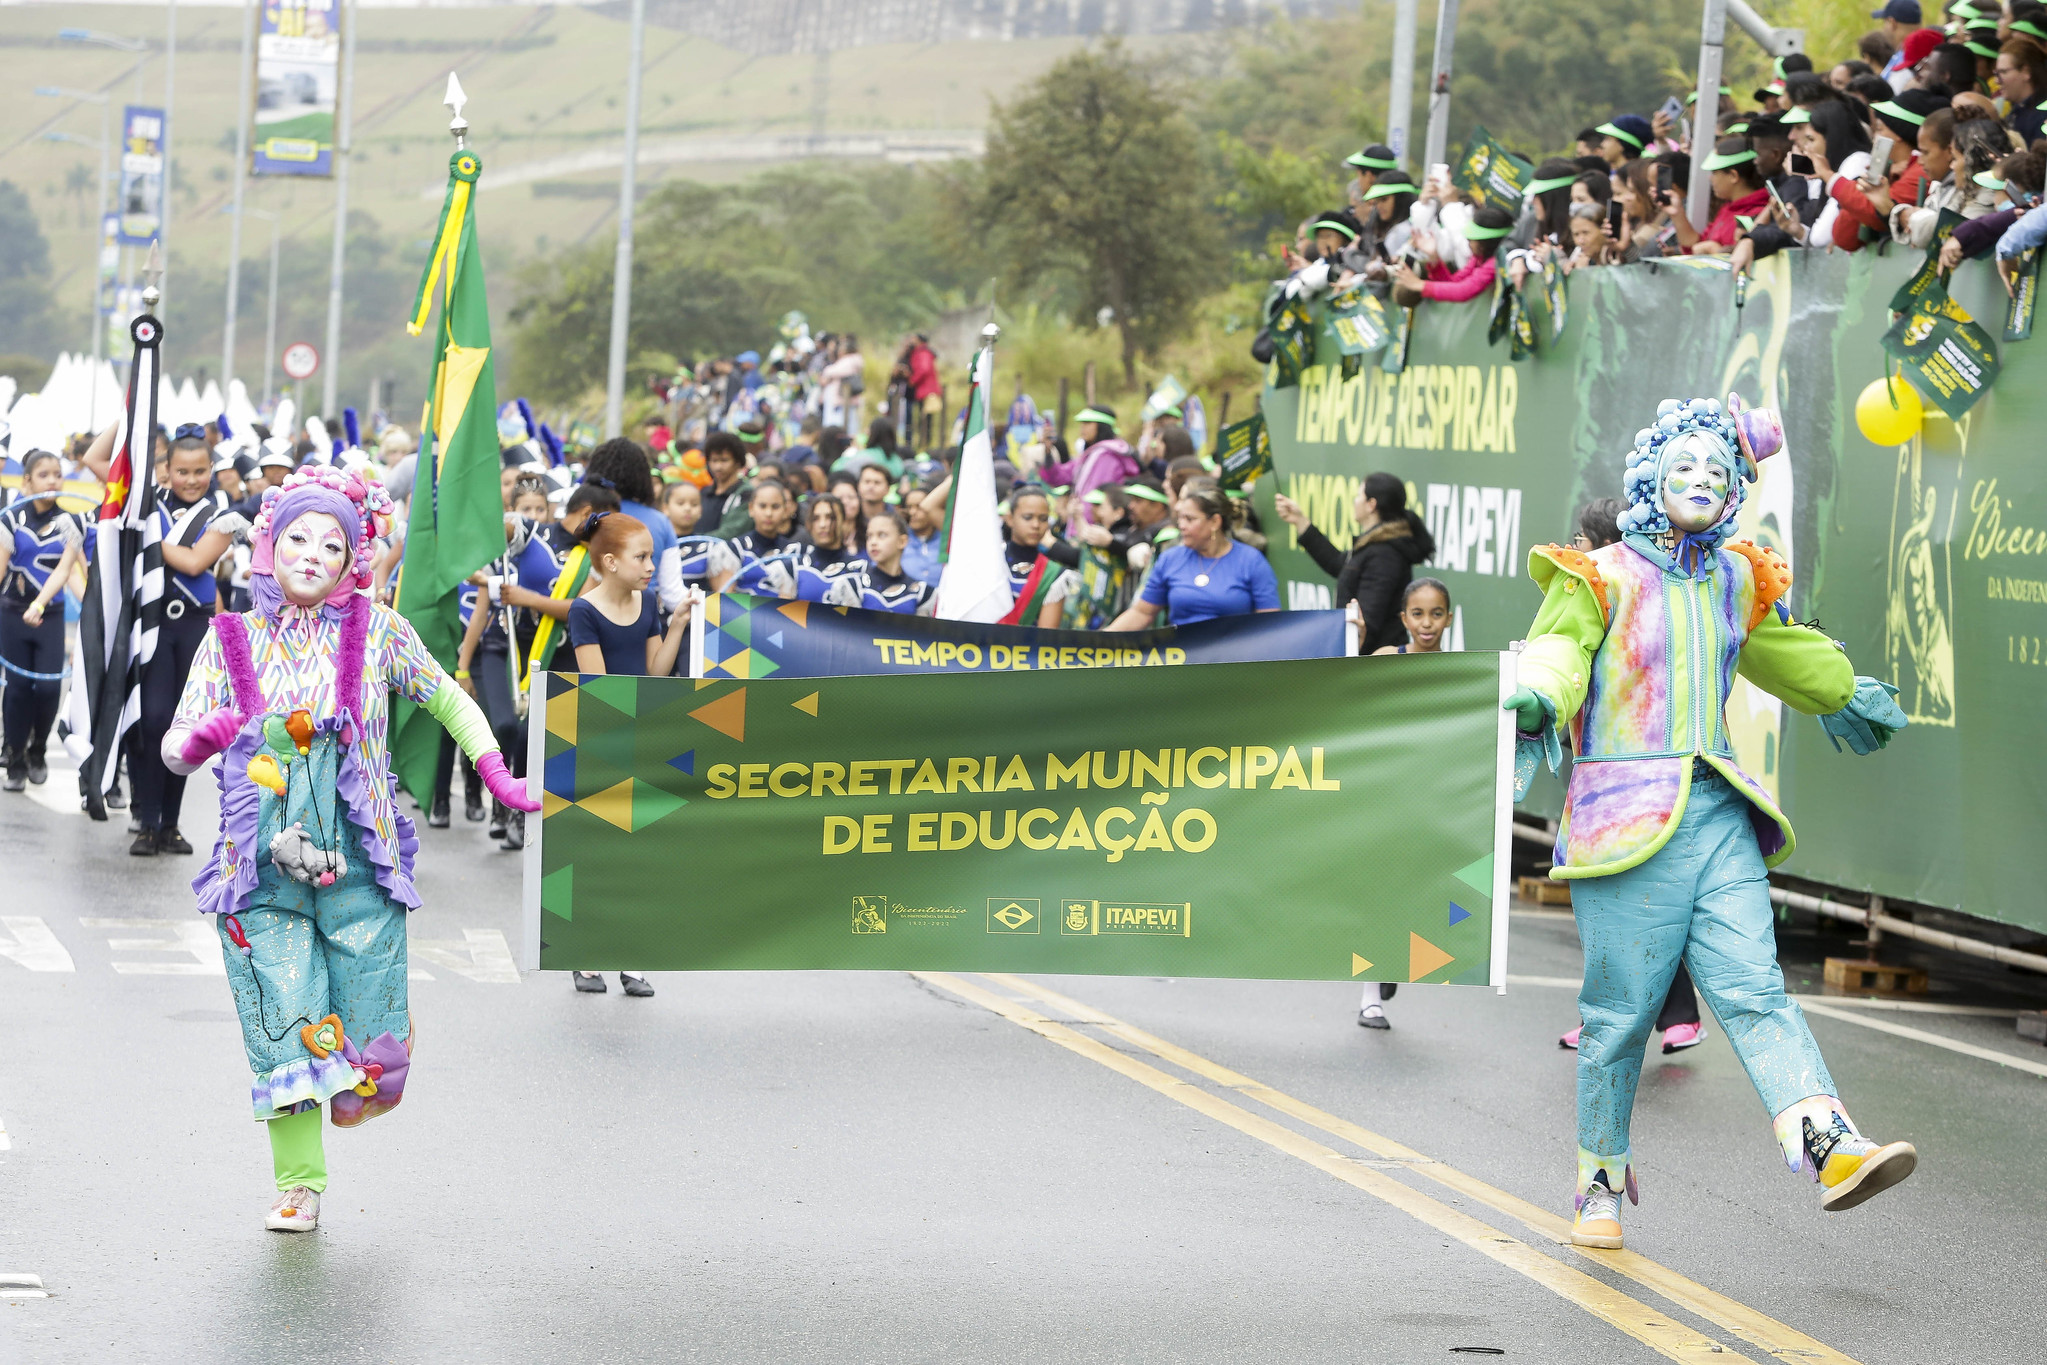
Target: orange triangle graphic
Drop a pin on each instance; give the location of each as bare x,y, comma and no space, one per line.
799,612
1358,964
1424,957
808,706
727,715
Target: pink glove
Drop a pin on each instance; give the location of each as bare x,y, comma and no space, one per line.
507,789
212,734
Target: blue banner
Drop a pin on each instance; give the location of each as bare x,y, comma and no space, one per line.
761,637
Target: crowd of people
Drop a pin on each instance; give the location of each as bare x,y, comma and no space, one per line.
1871,148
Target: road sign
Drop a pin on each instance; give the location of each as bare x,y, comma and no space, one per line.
301,360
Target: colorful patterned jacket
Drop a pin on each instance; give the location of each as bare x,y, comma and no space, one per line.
1638,657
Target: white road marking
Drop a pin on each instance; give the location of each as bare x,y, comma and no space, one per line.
481,955
1568,983
29,941
15,1284
1920,1036
5,1144
191,935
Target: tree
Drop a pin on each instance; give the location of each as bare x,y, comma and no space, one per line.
27,309
1093,185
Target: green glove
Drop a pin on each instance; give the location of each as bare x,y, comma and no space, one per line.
1529,710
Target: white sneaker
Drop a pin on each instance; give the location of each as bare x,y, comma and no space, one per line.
296,1210
1598,1223
1373,1016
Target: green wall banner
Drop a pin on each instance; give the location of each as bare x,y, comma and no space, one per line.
1171,821
1928,560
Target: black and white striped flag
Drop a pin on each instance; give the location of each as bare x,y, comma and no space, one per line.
124,597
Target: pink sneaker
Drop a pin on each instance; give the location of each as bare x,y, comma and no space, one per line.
1678,1037
1570,1040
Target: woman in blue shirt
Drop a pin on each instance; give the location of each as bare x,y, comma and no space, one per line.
1208,574
39,544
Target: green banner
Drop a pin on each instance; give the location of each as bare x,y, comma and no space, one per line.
1243,452
1927,560
1951,359
1173,823
1490,174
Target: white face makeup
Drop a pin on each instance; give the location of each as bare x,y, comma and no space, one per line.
308,558
1694,490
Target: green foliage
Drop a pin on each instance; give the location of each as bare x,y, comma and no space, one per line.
715,266
27,314
1093,189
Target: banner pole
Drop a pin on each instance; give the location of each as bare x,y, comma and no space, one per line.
1438,138
1503,823
529,867
696,633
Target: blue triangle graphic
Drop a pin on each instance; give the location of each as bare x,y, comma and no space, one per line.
776,639
688,763
1458,914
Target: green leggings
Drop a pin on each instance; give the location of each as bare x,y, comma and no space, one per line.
296,1152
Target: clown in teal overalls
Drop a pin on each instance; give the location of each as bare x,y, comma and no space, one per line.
1666,841
311,877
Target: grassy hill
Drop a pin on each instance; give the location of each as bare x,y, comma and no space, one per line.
545,84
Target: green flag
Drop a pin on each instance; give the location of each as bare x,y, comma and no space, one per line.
457,520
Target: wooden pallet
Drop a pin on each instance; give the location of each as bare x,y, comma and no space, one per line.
1861,976
1543,891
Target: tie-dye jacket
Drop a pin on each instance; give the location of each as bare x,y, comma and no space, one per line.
1638,656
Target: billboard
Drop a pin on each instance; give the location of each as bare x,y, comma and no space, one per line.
141,202
298,61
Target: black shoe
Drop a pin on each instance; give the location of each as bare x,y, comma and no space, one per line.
437,815
115,799
590,983
170,841
144,845
17,770
38,767
635,985
497,819
472,795
1371,1016
515,832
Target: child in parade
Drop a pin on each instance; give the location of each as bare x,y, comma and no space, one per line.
1667,841
1426,613
311,876
878,583
615,627
40,544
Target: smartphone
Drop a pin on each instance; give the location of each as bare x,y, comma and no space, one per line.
1440,174
1775,202
1801,164
1613,217
1880,159
1662,182
1673,109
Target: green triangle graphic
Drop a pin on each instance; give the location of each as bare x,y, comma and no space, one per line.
620,691
740,629
651,803
558,890
1478,876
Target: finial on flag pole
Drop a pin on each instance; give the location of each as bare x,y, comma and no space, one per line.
152,275
455,99
990,332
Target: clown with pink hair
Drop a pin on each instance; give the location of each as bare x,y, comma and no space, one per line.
311,876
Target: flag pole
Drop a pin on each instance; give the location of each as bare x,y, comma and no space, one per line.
343,139
622,262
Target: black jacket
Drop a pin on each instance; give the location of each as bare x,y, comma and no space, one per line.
1375,573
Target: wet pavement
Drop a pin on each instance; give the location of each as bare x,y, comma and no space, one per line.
882,1167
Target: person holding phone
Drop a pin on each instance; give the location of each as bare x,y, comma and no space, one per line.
1895,173
1738,186
1836,145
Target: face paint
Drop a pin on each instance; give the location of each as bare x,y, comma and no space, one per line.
1695,489
309,557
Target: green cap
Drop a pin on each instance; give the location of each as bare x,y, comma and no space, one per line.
1733,129
1620,135
1897,111
1474,233
1371,163
1988,180
1144,493
1335,225
1693,98
1387,188
1798,113
1555,182
1720,162
1095,415
1982,50
2029,28
1095,498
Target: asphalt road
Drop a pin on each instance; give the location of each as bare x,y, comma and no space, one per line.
878,1167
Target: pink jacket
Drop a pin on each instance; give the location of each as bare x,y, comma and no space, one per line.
1104,462
1468,283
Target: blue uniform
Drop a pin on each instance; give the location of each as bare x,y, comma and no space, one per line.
29,705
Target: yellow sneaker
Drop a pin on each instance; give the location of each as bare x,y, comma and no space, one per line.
1850,1167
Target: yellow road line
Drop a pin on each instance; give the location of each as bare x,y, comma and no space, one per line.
1662,1334
1759,1329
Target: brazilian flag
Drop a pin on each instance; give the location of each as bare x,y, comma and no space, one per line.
457,520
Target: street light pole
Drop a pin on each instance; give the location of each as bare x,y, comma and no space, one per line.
1400,96
234,231
622,263
270,327
330,388
1706,112
170,72
1439,85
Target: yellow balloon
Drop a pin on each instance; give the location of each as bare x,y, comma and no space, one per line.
1884,424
